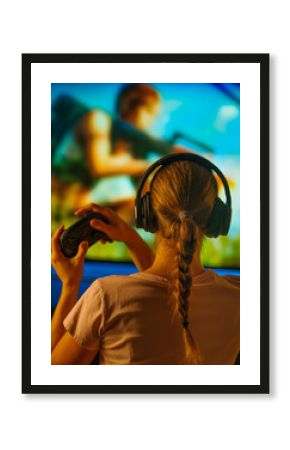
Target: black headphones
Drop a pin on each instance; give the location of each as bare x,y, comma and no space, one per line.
220,218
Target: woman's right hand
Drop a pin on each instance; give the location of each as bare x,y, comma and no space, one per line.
117,229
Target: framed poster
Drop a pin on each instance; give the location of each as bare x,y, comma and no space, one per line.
88,138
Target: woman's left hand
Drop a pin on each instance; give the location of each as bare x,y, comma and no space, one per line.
69,270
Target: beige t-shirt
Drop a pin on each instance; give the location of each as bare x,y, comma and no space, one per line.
130,319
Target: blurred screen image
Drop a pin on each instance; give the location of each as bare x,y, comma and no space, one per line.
105,136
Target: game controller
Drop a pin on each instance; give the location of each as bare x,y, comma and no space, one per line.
81,231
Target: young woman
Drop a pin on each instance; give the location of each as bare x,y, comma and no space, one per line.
172,311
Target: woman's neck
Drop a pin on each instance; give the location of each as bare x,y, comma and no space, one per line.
164,260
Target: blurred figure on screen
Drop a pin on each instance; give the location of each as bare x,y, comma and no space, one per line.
91,165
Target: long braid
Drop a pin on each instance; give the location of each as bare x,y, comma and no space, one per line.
179,187
182,284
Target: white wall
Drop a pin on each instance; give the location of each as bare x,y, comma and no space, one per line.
201,422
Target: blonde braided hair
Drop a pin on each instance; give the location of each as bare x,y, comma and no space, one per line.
182,197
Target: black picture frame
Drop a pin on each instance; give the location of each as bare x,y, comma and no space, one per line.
263,61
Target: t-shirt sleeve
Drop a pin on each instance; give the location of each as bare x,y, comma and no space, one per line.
86,320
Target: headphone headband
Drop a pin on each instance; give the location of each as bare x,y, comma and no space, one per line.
168,159
220,217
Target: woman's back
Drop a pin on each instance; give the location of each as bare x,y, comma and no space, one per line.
131,319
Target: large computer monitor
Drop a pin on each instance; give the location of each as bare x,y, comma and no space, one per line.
202,118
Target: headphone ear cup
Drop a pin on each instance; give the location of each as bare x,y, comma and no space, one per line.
219,220
145,211
153,220
139,213
149,219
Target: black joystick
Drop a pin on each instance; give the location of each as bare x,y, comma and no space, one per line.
81,231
